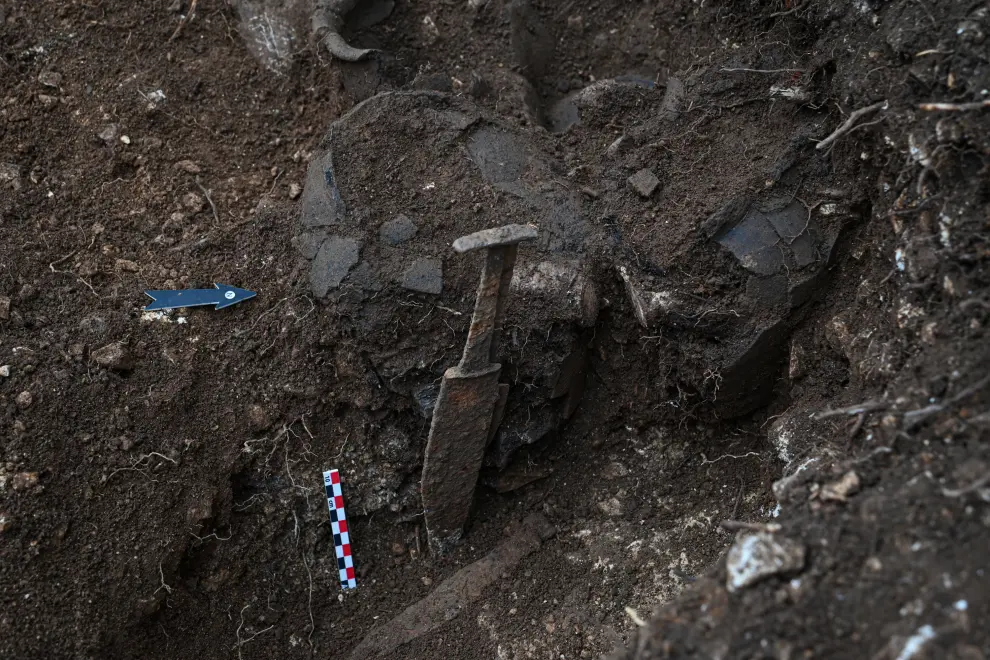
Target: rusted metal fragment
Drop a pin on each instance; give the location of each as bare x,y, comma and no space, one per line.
499,236
458,436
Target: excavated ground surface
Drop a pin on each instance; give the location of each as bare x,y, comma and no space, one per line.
160,488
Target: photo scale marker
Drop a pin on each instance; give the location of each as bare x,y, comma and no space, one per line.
338,526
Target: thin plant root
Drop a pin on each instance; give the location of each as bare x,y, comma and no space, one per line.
328,19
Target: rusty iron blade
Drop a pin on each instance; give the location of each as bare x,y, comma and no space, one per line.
454,451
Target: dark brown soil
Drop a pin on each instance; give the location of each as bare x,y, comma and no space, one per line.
162,497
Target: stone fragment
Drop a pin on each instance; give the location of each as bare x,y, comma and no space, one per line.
4,371
24,400
839,491
112,356
758,555
424,276
294,190
109,133
425,399
397,230
336,258
644,182
4,308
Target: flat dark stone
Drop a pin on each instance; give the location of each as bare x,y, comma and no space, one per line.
308,243
322,205
424,276
755,244
336,258
397,230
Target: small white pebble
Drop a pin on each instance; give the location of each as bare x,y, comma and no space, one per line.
125,139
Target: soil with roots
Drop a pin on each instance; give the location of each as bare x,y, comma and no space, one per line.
748,410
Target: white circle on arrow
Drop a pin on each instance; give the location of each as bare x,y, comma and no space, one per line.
229,295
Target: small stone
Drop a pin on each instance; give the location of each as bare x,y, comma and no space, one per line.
426,580
839,491
24,400
112,356
109,133
425,399
755,556
258,419
188,166
6,522
50,79
398,549
4,308
424,276
126,266
294,190
5,371
24,480
397,230
193,202
644,182
126,443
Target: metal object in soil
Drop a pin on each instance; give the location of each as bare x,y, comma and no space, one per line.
470,396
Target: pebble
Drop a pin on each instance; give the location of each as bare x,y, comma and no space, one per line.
109,133
839,491
24,480
294,190
644,182
50,79
6,522
5,371
188,166
397,230
755,556
4,308
424,276
112,356
24,400
398,549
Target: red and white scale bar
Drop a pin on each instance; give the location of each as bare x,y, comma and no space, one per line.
338,523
